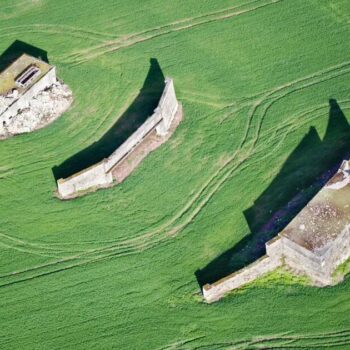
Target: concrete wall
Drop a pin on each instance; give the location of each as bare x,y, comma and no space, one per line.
319,265
167,107
132,141
269,262
274,247
24,99
215,291
100,175
338,252
94,176
305,261
161,119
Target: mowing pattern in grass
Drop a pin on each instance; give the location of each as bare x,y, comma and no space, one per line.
116,269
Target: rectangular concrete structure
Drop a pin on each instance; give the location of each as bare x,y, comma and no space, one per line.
100,174
314,243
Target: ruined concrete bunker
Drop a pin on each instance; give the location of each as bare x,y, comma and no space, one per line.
30,96
313,244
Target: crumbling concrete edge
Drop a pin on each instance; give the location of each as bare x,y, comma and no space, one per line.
217,290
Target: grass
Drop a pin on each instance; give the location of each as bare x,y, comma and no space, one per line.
341,271
116,268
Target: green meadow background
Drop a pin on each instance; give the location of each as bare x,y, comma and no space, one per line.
116,269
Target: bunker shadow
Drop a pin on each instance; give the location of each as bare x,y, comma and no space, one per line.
140,109
17,49
304,173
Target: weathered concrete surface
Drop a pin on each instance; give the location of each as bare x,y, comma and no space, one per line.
9,76
19,113
95,176
314,243
101,176
167,108
215,291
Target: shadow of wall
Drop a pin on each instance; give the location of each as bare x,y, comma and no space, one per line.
307,169
141,108
17,49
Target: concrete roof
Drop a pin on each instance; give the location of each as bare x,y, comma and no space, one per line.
9,75
325,217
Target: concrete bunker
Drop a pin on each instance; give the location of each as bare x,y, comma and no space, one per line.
115,168
31,96
314,243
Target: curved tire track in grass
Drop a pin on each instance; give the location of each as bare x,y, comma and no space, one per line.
80,56
279,341
56,29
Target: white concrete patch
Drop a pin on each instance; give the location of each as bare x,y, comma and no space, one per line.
5,102
41,110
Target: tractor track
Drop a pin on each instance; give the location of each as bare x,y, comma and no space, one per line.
146,240
81,56
279,341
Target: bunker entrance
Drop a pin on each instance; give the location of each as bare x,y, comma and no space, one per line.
28,75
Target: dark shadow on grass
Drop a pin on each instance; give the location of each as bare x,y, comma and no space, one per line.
141,108
307,169
17,49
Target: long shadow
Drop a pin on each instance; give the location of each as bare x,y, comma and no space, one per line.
17,49
305,172
141,108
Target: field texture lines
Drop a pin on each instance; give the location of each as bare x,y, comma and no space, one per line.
283,341
168,230
109,46
51,29
259,81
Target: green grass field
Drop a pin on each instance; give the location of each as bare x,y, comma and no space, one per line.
118,269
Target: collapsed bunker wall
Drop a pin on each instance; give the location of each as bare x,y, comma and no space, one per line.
100,175
21,103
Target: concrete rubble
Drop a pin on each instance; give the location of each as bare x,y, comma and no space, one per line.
42,109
